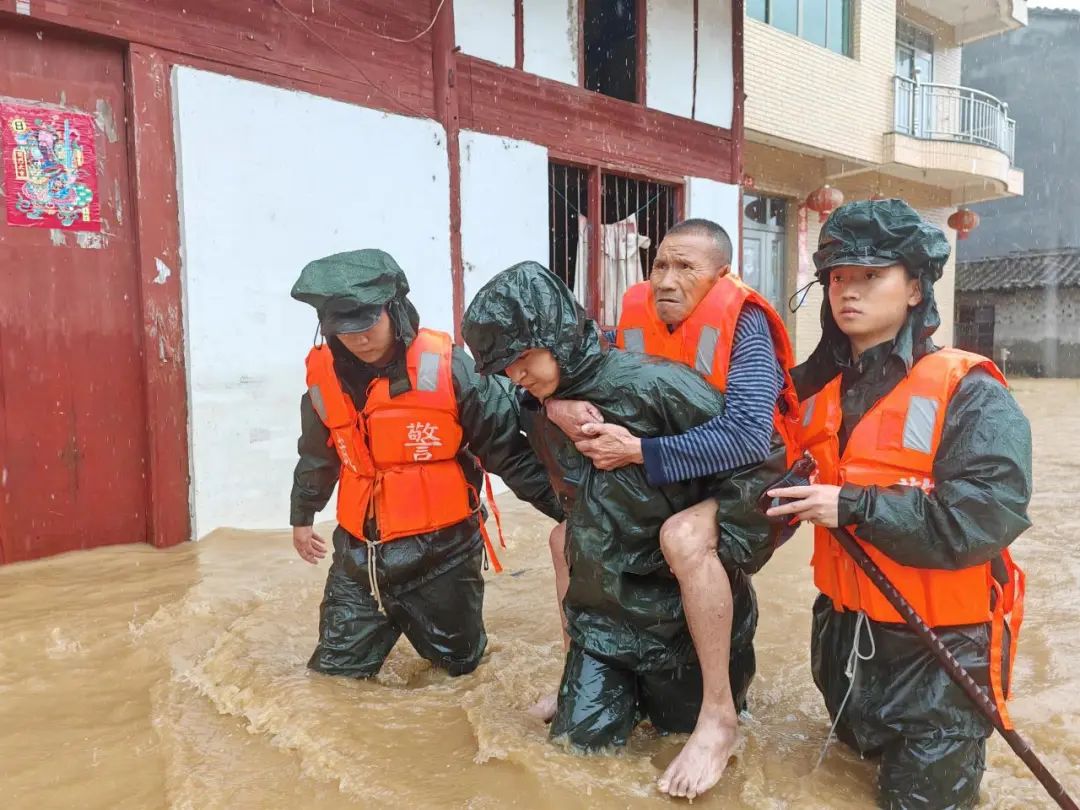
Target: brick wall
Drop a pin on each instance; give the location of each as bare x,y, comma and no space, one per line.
807,94
1040,328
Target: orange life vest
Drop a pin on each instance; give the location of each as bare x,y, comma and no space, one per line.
704,341
398,455
894,444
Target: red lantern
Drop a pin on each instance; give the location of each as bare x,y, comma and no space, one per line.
963,221
825,200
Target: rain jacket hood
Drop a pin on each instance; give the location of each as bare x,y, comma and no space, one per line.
876,233
527,307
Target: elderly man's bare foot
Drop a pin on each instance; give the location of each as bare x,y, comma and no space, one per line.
545,707
702,761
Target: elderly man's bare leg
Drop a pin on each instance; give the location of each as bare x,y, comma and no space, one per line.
688,541
545,707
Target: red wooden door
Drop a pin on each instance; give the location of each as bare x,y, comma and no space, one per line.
72,409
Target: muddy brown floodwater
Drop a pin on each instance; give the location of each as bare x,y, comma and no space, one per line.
137,678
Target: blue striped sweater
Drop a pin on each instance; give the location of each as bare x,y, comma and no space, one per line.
743,433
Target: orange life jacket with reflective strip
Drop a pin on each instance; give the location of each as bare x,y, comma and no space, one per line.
399,455
894,444
704,341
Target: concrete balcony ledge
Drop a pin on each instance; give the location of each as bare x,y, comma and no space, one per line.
972,20
971,173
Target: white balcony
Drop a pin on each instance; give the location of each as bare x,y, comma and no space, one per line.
955,138
943,112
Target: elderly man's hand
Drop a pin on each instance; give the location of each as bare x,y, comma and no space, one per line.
610,446
570,415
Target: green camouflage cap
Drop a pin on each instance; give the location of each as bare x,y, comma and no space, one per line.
349,291
878,233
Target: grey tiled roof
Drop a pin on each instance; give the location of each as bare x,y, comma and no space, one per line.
1021,271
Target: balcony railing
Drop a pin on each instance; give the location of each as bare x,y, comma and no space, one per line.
943,112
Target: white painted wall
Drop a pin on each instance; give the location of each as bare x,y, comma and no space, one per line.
504,209
551,39
720,202
716,77
504,206
269,180
669,61
669,70
485,29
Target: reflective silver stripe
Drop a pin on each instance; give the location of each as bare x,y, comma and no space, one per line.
706,350
634,339
427,377
808,417
317,401
919,424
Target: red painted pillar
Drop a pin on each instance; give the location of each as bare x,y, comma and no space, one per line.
157,226
444,69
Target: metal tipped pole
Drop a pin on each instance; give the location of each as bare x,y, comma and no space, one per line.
953,667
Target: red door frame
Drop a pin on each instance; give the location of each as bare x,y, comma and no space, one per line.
157,225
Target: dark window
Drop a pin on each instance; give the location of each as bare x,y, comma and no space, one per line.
653,208
635,215
777,213
611,48
975,328
824,22
568,201
755,208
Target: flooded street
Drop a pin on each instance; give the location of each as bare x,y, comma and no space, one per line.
136,678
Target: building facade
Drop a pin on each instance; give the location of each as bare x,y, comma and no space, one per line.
865,96
151,362
1023,310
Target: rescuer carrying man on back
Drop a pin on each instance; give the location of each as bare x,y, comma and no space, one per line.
631,654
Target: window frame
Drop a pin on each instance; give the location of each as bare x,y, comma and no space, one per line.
915,47
848,34
969,327
595,173
640,41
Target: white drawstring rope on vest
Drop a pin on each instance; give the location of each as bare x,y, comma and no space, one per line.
850,671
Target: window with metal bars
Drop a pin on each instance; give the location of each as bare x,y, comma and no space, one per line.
600,264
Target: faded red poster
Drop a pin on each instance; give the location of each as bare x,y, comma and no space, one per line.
50,168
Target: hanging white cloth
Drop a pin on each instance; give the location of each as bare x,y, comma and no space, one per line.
620,264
